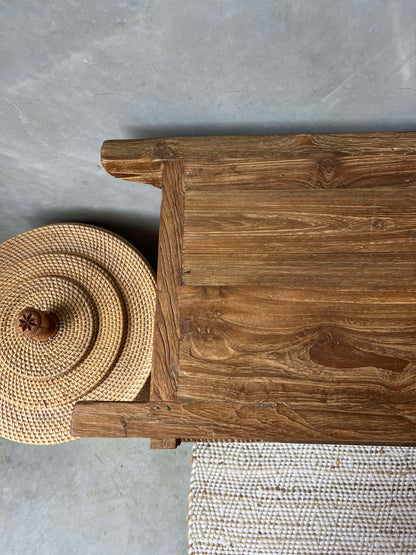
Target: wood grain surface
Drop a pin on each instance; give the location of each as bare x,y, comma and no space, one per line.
142,160
258,344
315,422
286,289
295,229
166,335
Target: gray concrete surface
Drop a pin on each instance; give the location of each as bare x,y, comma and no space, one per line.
93,497
73,74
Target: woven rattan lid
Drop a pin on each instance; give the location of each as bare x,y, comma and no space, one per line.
95,294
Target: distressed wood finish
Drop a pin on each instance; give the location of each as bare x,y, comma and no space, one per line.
166,340
326,172
286,290
331,422
259,345
142,160
297,229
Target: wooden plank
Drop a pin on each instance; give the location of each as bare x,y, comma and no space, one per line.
355,273
117,160
298,234
141,160
330,422
328,172
295,222
166,337
259,345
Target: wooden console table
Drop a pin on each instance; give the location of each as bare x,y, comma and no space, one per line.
286,303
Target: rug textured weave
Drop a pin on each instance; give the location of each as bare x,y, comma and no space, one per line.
282,498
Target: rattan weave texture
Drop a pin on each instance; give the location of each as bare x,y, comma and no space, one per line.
103,293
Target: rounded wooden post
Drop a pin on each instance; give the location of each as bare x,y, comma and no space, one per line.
36,324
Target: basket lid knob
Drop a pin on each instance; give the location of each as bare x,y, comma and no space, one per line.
36,324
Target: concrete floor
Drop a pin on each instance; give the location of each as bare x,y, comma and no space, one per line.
76,73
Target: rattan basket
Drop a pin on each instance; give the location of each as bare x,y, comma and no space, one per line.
76,322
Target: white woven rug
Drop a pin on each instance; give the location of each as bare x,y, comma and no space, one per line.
281,498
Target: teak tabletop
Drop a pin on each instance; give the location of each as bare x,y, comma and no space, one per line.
286,302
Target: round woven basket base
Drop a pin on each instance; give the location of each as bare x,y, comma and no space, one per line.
102,292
